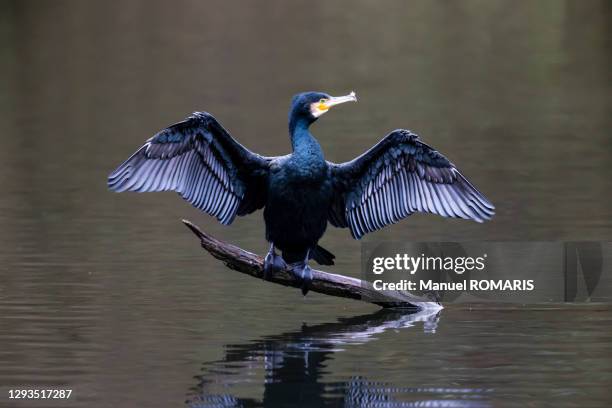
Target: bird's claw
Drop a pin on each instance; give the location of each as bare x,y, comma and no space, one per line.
272,263
303,273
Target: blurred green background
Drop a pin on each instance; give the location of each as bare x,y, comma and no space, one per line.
99,289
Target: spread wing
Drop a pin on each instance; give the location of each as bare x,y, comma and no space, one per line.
397,177
201,161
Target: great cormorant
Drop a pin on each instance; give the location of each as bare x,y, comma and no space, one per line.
301,192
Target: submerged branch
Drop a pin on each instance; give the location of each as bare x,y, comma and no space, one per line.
324,282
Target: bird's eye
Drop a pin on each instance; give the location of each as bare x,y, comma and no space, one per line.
323,100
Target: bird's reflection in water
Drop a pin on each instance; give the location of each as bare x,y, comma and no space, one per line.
293,365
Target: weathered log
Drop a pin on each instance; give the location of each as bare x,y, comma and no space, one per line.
323,282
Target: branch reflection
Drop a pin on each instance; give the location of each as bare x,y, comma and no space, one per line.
293,365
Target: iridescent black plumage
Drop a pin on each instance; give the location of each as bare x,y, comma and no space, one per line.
301,192
198,159
397,177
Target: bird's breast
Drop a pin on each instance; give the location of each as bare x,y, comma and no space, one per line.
297,205
296,183
300,169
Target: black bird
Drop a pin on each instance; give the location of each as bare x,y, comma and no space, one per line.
300,192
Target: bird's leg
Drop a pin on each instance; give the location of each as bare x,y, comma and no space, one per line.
272,263
303,273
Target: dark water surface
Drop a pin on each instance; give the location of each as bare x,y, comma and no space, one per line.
109,294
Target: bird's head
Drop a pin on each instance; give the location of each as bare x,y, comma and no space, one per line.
309,106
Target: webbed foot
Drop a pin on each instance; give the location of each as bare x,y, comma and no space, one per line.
272,263
303,273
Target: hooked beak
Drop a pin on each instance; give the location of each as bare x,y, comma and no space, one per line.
319,108
337,100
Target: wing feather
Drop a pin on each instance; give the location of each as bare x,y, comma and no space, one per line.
200,160
397,177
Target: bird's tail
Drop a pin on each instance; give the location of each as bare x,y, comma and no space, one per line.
322,256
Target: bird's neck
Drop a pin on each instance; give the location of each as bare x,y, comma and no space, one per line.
302,141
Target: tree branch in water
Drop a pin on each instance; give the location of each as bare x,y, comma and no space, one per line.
324,282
